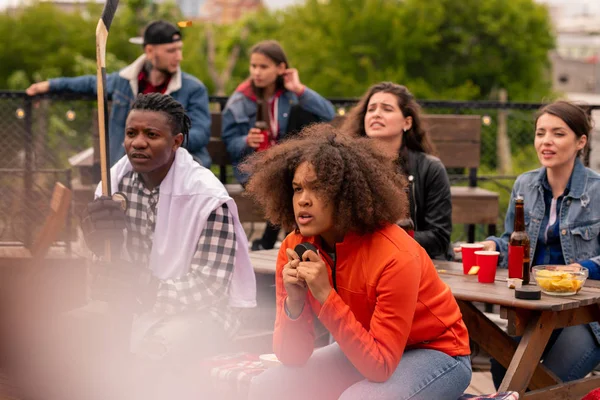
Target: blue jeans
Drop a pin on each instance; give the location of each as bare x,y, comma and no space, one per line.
328,374
571,354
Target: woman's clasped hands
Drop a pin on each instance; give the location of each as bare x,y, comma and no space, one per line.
299,276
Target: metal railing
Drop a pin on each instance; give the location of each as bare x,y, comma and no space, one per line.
39,134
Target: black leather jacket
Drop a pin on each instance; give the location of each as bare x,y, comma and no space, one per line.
431,205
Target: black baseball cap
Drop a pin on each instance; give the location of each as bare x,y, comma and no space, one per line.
161,32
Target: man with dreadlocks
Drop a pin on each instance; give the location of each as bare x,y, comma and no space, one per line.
182,227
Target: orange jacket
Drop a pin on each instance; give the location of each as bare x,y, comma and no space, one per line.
388,298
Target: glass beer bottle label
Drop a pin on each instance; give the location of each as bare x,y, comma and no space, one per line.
515,261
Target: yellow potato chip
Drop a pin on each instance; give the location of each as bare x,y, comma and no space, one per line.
544,283
474,270
545,273
184,24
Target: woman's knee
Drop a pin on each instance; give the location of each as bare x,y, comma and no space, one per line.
271,384
421,374
574,354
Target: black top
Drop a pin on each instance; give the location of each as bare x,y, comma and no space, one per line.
431,205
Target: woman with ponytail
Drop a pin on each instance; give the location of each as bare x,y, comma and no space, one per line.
389,113
288,105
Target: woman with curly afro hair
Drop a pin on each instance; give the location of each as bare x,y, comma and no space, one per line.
398,330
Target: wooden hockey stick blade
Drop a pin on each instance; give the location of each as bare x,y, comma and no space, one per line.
108,13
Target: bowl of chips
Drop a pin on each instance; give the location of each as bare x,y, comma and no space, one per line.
560,280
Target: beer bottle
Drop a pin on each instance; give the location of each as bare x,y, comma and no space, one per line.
262,123
518,246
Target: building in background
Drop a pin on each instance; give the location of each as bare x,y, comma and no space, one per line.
190,8
227,11
576,59
575,62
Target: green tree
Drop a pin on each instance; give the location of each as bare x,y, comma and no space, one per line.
42,42
493,44
40,39
218,54
438,48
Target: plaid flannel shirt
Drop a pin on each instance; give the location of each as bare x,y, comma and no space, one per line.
206,285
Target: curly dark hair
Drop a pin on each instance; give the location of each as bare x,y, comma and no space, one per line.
353,173
415,139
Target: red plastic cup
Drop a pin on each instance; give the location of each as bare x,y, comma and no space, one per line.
468,255
266,143
488,262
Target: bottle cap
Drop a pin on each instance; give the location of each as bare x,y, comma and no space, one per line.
514,283
528,293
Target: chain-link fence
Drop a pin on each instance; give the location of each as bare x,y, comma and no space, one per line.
37,138
46,139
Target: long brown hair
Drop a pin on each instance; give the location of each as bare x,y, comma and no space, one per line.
416,138
272,50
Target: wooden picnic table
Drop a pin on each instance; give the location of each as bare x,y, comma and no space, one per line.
533,320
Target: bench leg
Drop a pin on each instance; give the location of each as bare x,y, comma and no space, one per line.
492,230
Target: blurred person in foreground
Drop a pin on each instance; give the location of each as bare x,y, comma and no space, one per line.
398,330
178,276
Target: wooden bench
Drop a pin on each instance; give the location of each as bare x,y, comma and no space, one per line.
458,142
49,232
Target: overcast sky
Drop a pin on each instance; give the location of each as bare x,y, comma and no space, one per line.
269,3
575,6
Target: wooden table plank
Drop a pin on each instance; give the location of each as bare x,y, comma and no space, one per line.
570,390
264,262
466,287
519,318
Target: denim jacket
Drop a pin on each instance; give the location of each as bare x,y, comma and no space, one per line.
239,116
579,217
122,88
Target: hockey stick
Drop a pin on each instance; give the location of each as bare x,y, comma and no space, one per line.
108,13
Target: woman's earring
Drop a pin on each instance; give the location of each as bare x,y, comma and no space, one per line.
405,130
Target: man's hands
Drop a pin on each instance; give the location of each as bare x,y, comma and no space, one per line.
38,88
301,275
102,220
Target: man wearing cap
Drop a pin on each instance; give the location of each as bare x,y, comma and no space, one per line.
157,70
